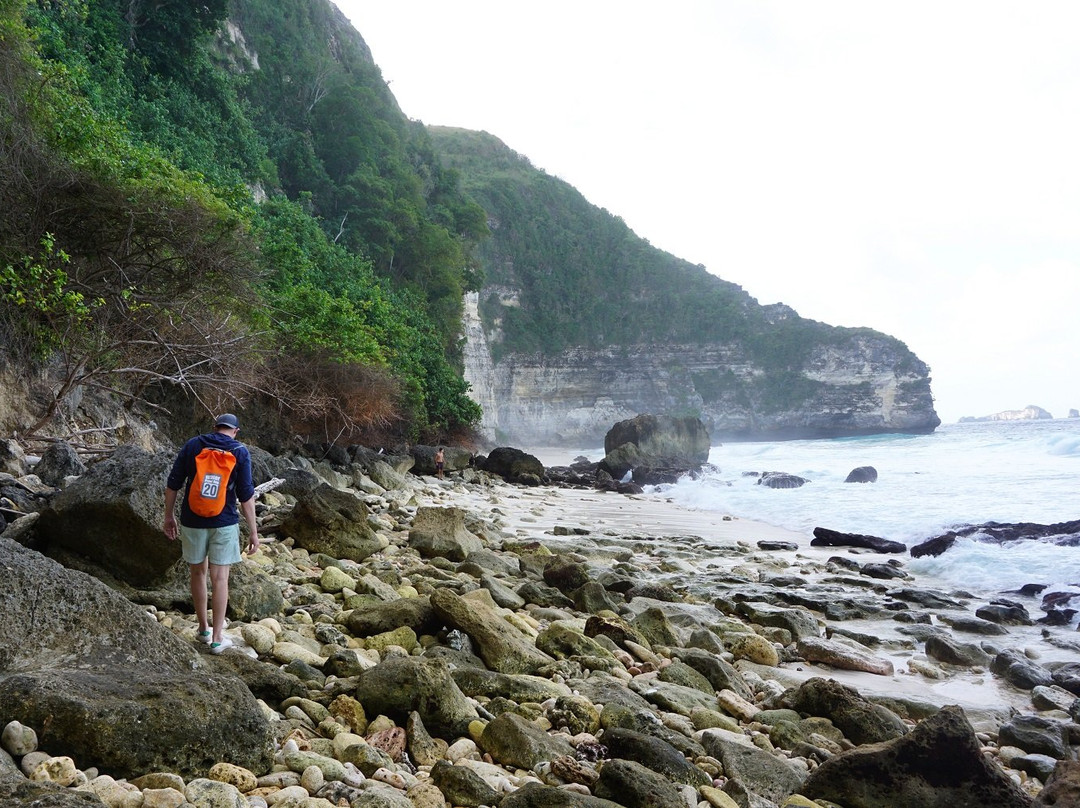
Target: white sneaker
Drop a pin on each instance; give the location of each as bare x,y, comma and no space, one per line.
218,647
205,636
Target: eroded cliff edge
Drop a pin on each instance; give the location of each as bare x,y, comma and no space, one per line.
861,384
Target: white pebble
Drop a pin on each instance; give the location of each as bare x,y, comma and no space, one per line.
18,739
297,794
162,798
312,779
59,770
462,748
390,778
353,776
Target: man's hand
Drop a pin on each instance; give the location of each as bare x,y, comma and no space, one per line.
171,531
248,509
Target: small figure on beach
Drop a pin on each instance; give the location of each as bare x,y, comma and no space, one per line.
440,460
214,472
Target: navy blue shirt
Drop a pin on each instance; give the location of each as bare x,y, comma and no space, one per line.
240,488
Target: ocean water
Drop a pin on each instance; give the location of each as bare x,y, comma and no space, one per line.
962,474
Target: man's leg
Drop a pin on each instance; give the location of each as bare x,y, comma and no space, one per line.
219,580
198,593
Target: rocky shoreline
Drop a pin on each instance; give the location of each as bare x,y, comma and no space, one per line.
403,641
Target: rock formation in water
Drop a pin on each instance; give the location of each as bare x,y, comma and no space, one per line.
1029,413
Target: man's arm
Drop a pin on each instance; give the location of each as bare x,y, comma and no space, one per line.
248,509
170,514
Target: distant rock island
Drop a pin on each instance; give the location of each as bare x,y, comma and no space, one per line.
1029,413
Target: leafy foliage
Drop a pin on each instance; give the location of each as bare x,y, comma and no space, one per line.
324,300
336,135
132,135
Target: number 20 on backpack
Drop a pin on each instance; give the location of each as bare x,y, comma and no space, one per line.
206,495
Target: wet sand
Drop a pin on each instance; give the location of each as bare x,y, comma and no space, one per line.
680,544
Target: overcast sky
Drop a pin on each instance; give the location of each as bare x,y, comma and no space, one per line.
913,167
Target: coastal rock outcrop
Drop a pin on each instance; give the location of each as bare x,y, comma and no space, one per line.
543,665
111,517
938,765
860,720
455,458
333,522
107,685
825,537
1028,413
656,448
859,385
514,465
781,480
862,474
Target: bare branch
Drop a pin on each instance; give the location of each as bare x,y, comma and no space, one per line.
341,227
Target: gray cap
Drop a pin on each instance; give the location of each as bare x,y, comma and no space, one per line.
227,419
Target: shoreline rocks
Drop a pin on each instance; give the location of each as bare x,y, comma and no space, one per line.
478,650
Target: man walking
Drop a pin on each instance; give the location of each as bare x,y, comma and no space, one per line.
214,472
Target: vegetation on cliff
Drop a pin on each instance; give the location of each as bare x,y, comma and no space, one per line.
224,198
134,140
562,273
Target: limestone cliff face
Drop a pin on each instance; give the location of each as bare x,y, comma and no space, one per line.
479,369
573,398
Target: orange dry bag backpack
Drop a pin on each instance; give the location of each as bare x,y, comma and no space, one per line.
206,495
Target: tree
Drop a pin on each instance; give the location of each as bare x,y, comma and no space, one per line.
166,32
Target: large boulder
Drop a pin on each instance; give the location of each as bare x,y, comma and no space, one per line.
265,466
20,792
862,474
536,795
781,480
662,436
1063,787
333,522
658,448
502,646
103,683
655,754
112,516
938,765
441,533
636,786
400,462
1019,671
516,741
399,686
842,655
253,594
762,773
454,459
861,721
58,461
514,465
12,458
377,618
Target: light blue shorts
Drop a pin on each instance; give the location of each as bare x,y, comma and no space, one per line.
220,544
